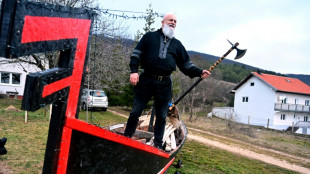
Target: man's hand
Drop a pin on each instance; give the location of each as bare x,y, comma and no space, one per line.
134,78
205,74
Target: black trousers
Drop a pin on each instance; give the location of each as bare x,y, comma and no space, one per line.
147,87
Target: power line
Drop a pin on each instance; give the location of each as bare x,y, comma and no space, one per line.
142,15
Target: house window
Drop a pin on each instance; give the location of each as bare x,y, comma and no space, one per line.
245,99
282,116
252,84
5,78
284,100
10,78
15,79
307,102
306,118
296,101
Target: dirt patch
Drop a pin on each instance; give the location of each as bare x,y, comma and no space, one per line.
11,108
4,169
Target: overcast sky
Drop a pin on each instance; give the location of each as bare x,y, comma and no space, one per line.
276,33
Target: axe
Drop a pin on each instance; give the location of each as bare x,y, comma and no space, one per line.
240,53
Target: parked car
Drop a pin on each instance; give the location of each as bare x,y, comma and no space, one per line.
94,99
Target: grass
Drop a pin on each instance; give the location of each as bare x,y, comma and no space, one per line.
27,141
26,144
200,159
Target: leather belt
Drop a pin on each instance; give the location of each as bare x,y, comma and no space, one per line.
161,78
158,78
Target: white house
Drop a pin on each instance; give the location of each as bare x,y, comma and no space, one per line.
273,101
13,77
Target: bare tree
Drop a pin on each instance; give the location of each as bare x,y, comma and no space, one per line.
48,60
202,97
108,66
71,3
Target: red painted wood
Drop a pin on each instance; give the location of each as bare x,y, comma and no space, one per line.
167,166
37,28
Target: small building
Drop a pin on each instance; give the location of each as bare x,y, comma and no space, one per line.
13,77
273,101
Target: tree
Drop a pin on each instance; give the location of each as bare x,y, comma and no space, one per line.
149,21
48,60
203,96
108,63
71,3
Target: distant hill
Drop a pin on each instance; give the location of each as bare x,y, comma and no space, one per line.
302,77
211,58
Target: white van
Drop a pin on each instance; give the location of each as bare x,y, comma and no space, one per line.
94,99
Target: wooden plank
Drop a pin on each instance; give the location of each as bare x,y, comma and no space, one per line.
143,140
173,142
116,126
168,132
143,134
168,145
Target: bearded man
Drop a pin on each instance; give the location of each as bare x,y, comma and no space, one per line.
158,53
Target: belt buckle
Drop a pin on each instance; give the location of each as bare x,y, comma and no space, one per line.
160,78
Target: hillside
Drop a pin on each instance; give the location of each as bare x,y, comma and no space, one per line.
304,78
210,58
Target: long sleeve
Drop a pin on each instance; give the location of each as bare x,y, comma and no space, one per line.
185,65
136,56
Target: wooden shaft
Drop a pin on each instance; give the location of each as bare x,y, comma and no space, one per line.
223,57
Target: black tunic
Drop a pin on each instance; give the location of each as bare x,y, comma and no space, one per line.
160,55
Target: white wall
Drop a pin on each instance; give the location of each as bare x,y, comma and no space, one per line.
222,112
290,117
260,105
303,131
16,68
290,98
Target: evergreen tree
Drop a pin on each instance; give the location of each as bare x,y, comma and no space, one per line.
149,21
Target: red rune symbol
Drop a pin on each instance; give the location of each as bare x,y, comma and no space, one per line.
37,29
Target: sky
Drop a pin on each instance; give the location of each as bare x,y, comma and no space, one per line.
276,33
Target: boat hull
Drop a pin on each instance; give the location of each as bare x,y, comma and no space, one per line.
92,154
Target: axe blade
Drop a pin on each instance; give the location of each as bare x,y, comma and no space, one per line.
240,53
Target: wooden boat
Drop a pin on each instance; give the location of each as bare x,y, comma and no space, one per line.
106,150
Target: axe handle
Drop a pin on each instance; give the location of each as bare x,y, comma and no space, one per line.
200,79
223,57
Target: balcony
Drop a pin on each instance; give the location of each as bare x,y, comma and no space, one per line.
291,108
303,124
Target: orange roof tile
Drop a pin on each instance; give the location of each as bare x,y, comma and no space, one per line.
286,84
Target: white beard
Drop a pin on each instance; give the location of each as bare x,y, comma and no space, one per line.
168,31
